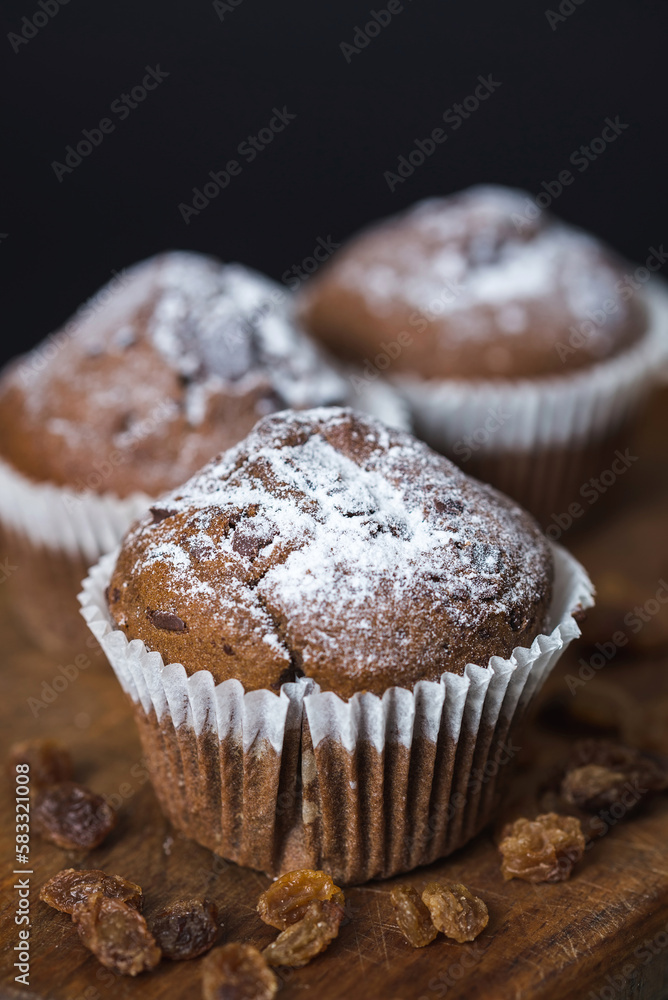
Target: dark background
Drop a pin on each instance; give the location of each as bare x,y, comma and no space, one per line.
322,176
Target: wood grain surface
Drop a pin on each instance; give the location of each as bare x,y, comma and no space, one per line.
603,934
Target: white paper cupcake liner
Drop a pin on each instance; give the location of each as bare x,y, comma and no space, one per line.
81,525
529,437
364,788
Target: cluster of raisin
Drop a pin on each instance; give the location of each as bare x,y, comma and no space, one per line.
307,908
601,780
450,908
632,770
106,910
599,775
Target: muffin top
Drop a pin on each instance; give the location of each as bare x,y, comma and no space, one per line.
327,545
176,359
469,286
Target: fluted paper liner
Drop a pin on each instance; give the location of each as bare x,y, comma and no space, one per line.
540,440
79,524
300,778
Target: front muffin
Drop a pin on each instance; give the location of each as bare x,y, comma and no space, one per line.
328,546
327,636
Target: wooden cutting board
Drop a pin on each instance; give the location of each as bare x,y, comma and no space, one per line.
603,934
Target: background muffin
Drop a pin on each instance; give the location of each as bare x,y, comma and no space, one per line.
325,635
483,291
179,362
176,360
520,343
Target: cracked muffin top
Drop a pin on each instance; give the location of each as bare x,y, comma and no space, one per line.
481,284
174,361
327,545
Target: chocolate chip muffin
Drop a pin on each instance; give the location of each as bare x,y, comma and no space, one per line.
482,291
522,345
328,546
328,635
178,362
175,360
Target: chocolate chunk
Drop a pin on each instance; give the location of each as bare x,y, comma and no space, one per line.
448,506
228,649
248,543
167,620
159,514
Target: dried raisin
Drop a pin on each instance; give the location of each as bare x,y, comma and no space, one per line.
542,850
640,769
49,762
455,911
117,934
303,940
287,899
592,787
237,972
71,886
413,918
72,816
186,928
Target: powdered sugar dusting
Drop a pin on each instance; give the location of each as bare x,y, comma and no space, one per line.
349,536
478,248
224,323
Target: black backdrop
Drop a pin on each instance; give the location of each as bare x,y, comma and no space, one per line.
555,79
